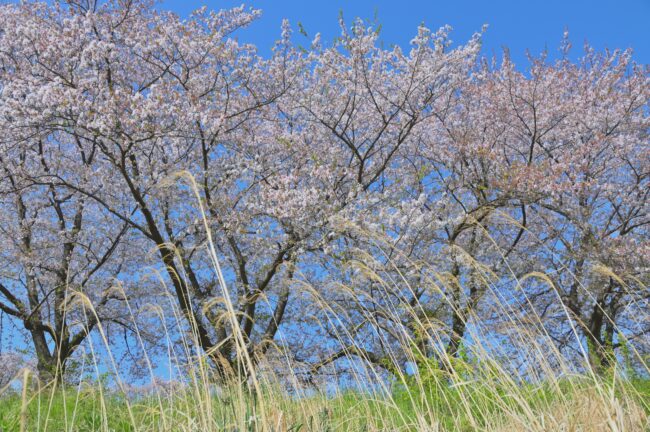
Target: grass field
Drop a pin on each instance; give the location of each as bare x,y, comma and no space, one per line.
571,404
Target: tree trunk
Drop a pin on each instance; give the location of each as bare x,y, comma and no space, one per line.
599,338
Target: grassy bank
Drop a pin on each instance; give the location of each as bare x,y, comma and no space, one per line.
570,404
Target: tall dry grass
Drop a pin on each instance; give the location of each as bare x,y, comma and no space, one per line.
509,376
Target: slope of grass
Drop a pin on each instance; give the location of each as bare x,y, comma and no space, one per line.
572,404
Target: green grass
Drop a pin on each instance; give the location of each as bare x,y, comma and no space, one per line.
410,406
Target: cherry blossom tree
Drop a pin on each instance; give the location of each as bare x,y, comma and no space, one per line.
386,100
538,171
60,256
576,135
128,129
149,95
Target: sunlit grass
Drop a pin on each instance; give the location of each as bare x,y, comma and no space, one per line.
571,404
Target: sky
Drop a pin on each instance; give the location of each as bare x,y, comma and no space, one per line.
519,25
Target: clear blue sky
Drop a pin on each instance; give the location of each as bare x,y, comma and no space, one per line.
520,25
